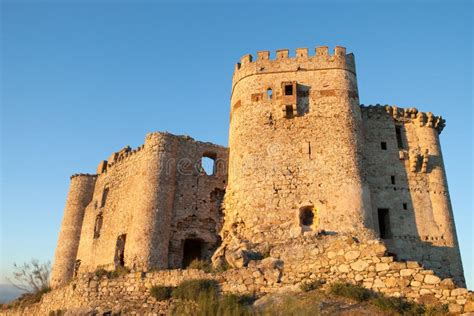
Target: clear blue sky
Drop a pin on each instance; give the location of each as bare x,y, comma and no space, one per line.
81,80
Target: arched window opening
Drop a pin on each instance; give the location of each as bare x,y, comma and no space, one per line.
120,251
269,93
208,163
306,216
98,225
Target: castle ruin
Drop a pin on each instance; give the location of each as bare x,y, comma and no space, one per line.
304,156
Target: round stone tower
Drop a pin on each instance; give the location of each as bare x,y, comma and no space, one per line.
80,194
295,147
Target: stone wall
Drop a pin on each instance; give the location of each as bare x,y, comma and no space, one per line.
296,145
309,257
407,179
146,202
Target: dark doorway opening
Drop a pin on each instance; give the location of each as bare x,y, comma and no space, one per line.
306,216
120,251
192,250
384,223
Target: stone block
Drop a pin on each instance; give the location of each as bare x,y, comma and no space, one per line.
359,265
381,267
432,279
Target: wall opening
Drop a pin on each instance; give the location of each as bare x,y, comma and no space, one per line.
289,111
392,179
77,264
398,131
120,251
306,216
208,163
384,223
192,250
98,225
405,206
289,89
269,93
383,145
105,193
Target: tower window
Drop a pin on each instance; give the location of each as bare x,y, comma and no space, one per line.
289,111
392,179
398,131
105,193
306,216
120,251
269,93
208,161
405,206
383,145
384,223
98,226
289,89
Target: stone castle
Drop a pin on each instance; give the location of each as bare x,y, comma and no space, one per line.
304,157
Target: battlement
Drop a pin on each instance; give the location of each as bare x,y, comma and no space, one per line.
301,61
82,175
406,115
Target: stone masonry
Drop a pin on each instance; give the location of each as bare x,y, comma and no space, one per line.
304,157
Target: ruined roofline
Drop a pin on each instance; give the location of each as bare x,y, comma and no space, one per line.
127,152
404,114
83,175
301,61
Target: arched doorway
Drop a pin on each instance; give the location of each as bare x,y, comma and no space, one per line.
192,250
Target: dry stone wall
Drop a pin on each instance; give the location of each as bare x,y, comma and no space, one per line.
309,257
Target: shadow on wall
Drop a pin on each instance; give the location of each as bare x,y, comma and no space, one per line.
405,217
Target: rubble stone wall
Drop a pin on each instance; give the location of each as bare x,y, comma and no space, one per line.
300,260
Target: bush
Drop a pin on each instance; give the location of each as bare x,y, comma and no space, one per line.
311,285
200,265
161,293
192,289
398,305
100,273
119,271
355,292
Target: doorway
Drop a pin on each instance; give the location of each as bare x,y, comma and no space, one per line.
192,250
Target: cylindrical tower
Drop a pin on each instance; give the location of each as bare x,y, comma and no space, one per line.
150,231
295,147
80,194
433,166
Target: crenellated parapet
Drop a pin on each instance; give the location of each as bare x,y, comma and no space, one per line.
406,115
301,61
83,175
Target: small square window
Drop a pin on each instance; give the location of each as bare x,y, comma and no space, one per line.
383,145
289,89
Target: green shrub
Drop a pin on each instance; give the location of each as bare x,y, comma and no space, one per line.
192,289
355,292
119,271
398,305
161,293
311,285
208,304
200,265
100,273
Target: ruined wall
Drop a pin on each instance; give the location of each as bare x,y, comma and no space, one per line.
407,178
298,260
297,152
149,201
